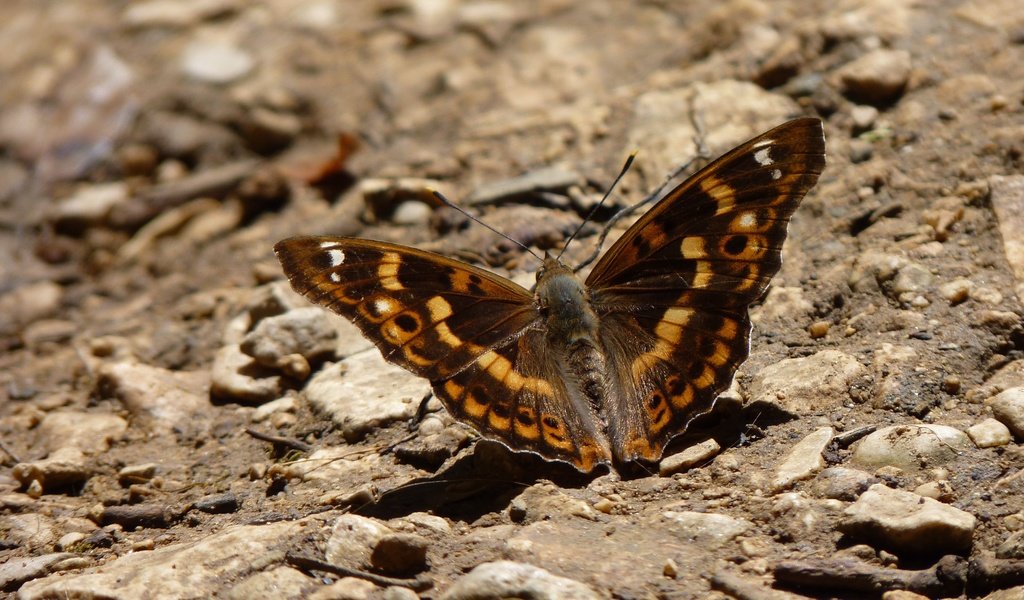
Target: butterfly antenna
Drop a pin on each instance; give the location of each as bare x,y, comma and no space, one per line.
451,204
590,215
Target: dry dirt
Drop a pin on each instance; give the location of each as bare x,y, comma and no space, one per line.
895,259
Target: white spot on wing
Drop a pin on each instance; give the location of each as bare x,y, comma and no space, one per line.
748,220
336,257
776,174
335,277
762,157
382,306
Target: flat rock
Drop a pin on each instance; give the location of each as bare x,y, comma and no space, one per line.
816,383
686,459
353,539
912,448
710,530
364,392
400,554
63,468
545,501
841,483
175,13
91,433
907,523
989,433
307,332
17,570
507,579
1007,198
167,399
1008,408
28,303
282,582
90,205
210,567
216,61
804,460
663,130
237,376
878,77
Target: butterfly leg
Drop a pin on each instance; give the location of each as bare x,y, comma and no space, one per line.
421,412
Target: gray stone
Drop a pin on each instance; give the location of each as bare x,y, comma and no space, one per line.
545,501
684,460
237,376
62,468
281,582
804,460
400,554
1012,546
363,392
841,483
307,332
912,448
166,399
1007,198
91,433
17,570
209,567
507,579
874,268
353,539
989,433
907,523
815,383
709,530
912,277
1008,408
216,61
878,77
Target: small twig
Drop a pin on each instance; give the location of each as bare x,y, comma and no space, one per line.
946,579
844,439
279,440
312,564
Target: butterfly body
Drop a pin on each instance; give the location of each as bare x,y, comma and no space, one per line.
605,370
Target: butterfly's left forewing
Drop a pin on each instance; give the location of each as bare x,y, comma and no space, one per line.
474,335
674,290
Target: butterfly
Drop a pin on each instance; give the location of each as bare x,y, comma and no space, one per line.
605,370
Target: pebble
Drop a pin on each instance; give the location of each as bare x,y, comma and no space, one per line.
383,196
400,554
877,78
863,117
874,268
815,383
287,404
353,539
784,302
267,131
362,393
279,582
29,303
936,490
218,503
49,331
91,433
546,502
507,579
818,329
1007,199
912,448
216,61
689,457
175,13
912,277
989,433
1008,407
130,516
307,332
841,483
804,460
708,530
63,468
907,523
1012,546
136,474
89,205
411,213
956,291
347,588
237,376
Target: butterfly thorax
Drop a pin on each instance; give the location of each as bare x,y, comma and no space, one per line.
572,327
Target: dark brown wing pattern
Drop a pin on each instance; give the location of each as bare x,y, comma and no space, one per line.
673,291
474,335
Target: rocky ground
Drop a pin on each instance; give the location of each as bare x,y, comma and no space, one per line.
177,423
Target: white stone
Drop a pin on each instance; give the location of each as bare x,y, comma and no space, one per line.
709,530
908,523
815,383
507,579
912,448
804,460
689,457
989,433
1007,197
216,61
1008,408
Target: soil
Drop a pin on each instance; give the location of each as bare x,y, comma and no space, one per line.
338,97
